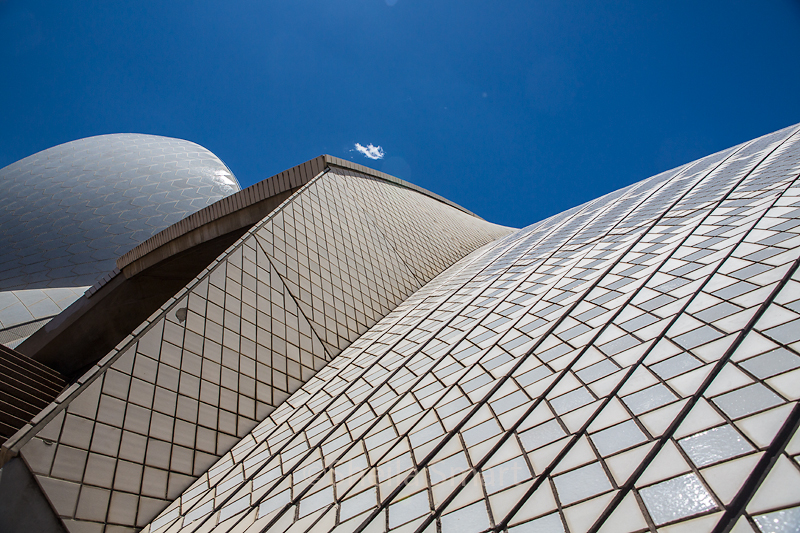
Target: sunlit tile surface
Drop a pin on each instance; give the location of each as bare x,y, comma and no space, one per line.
677,498
630,361
714,445
636,354
785,521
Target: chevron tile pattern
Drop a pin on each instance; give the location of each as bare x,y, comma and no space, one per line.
631,365
150,418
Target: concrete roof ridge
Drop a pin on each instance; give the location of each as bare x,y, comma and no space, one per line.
343,163
288,180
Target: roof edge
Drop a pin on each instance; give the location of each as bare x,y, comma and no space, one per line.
342,163
285,181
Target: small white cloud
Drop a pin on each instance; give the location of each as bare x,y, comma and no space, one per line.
370,151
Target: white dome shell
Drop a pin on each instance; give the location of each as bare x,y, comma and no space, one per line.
68,212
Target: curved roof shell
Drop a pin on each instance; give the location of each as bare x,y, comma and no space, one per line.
68,212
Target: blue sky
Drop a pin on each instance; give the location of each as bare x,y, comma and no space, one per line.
516,110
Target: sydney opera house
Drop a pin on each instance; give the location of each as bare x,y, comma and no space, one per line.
334,349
